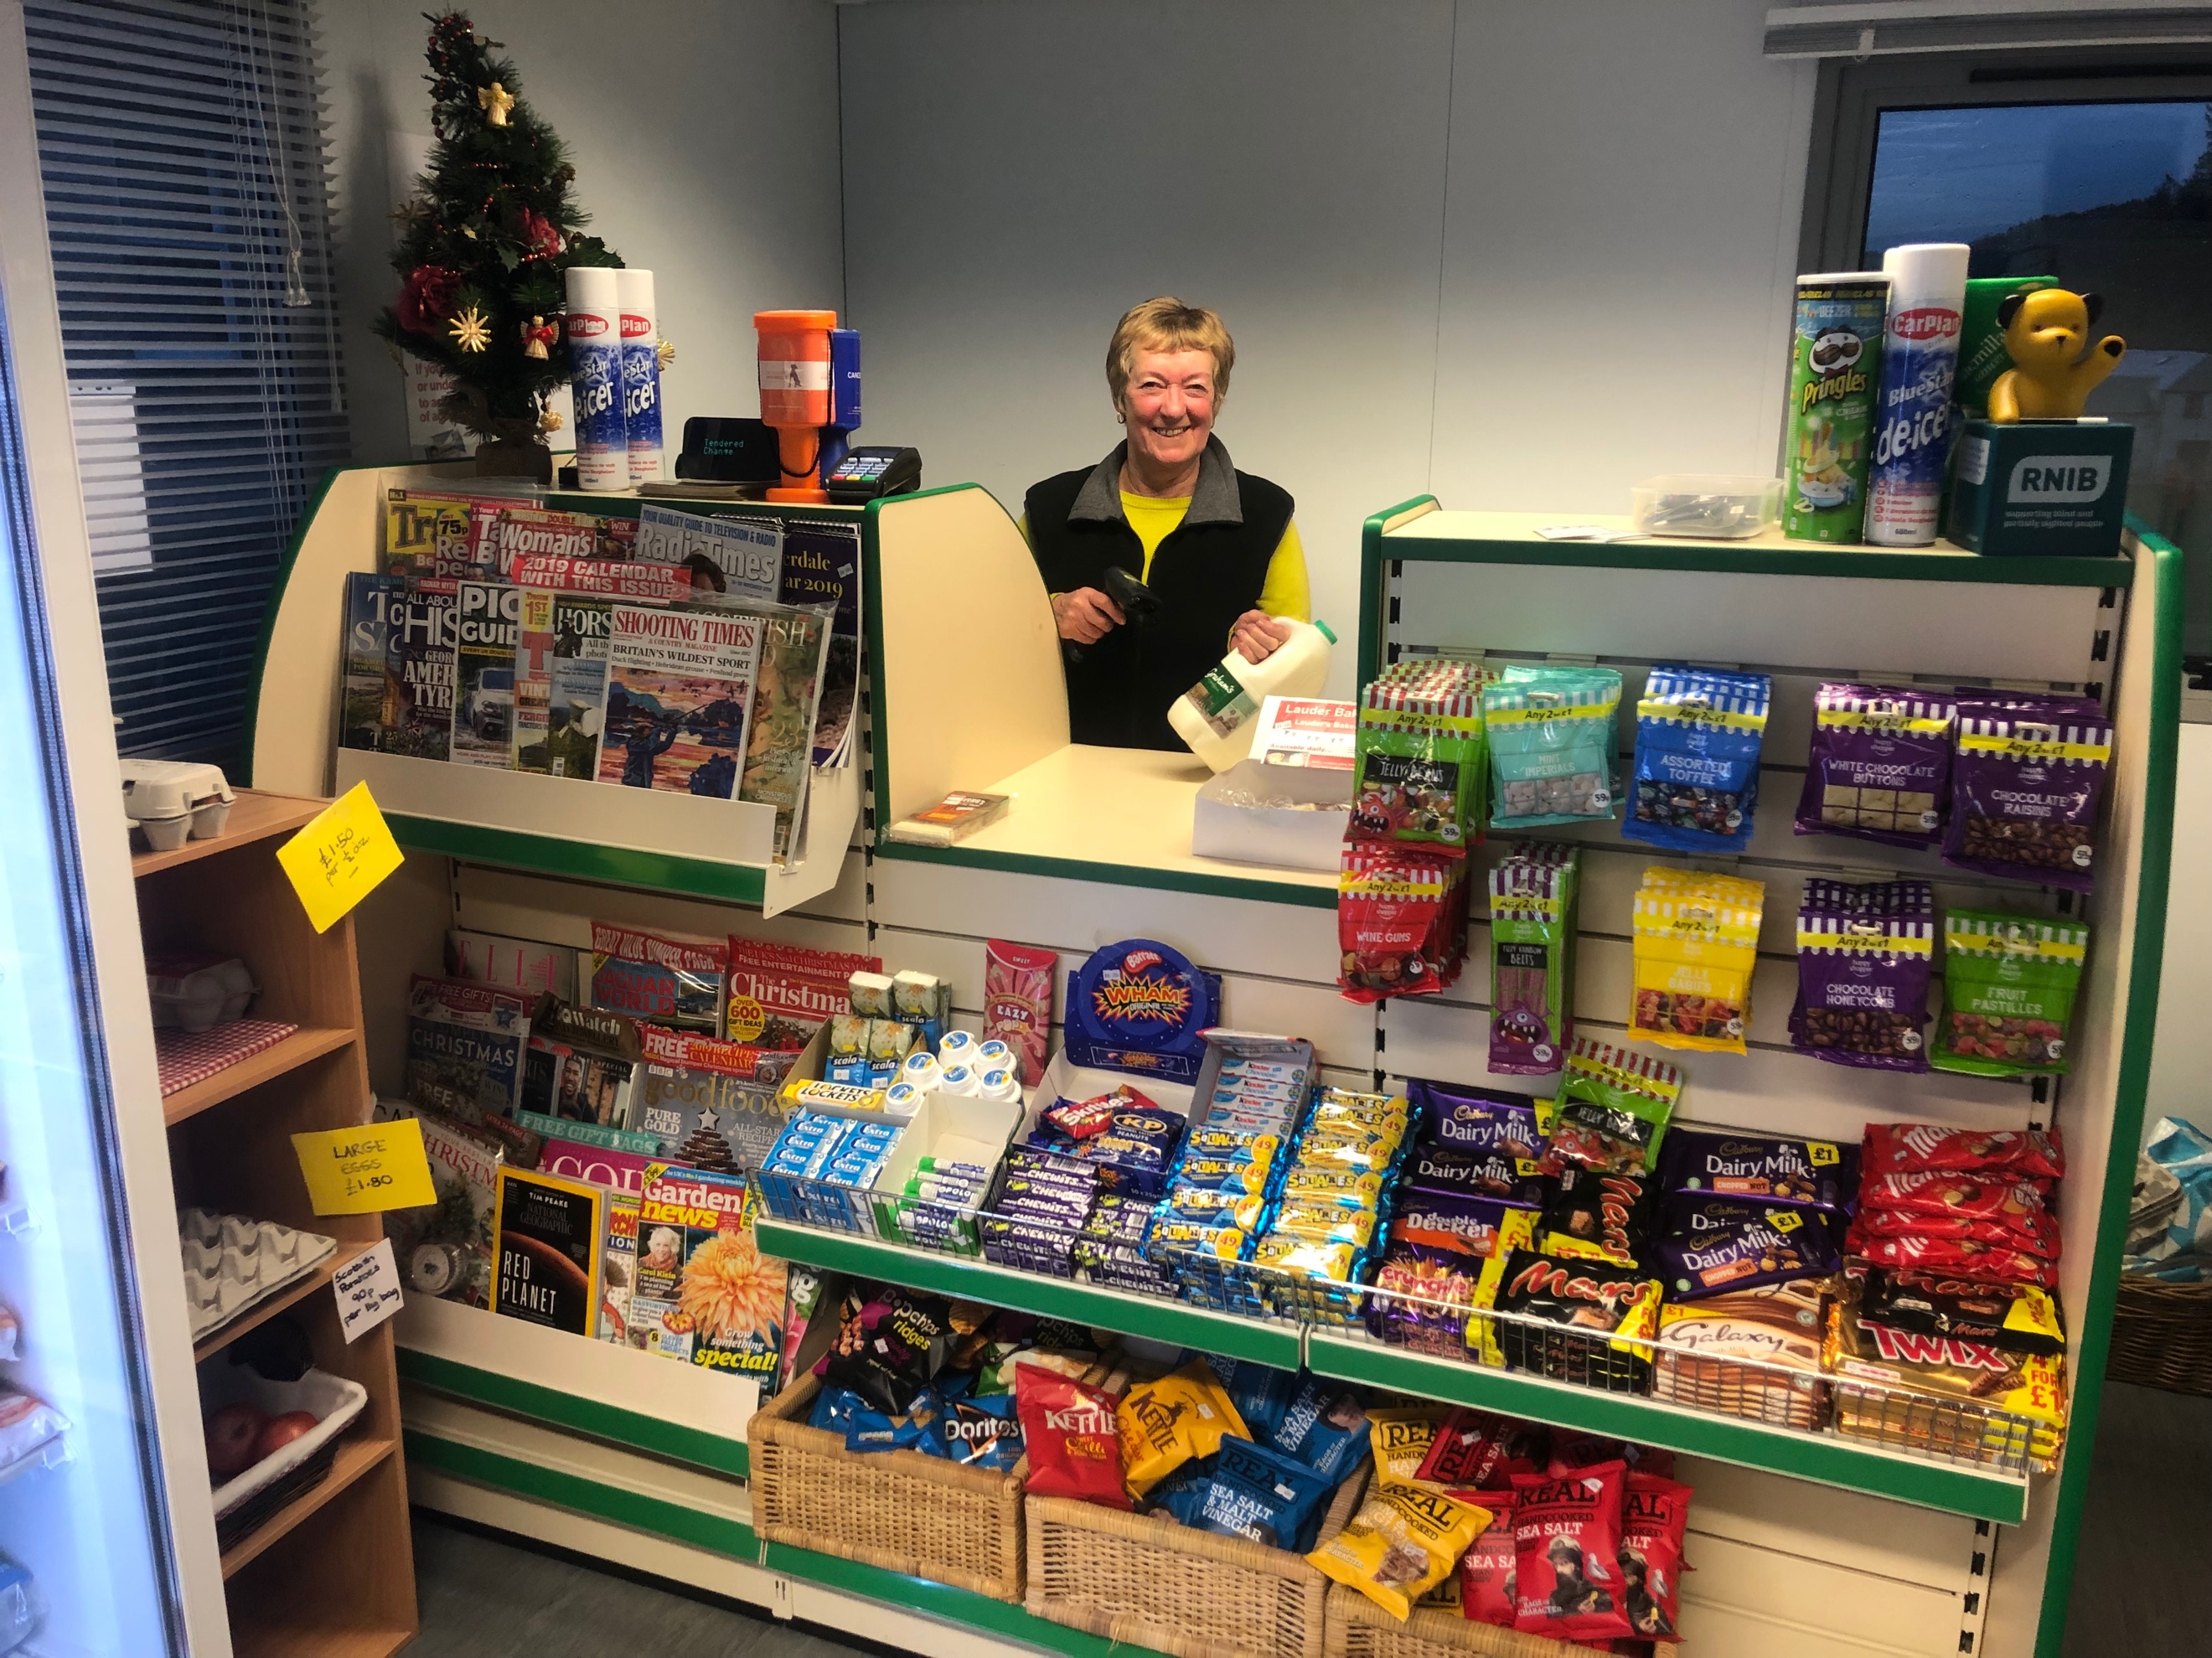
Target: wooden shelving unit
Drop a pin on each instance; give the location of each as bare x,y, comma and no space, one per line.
331,1573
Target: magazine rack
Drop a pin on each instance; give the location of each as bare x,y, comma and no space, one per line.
633,837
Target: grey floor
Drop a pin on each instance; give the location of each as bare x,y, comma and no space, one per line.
2143,1583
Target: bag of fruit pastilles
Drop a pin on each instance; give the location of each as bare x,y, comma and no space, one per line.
1696,944
2008,988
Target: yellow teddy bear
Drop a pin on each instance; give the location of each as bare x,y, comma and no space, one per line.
2044,332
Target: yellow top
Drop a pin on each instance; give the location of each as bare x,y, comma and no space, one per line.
1283,591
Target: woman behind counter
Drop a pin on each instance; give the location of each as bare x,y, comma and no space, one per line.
1216,546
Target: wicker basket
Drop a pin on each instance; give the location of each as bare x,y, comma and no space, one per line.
2162,1335
1357,1628
1146,1579
901,1510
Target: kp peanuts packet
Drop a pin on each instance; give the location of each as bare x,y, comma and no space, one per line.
1404,1542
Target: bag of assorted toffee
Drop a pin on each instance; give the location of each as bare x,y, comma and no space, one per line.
1880,768
2025,786
1865,955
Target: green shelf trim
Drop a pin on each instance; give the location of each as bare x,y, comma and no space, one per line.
566,1409
673,1521
1150,1317
1856,563
548,854
2092,1333
941,1601
1374,586
1256,890
1982,1495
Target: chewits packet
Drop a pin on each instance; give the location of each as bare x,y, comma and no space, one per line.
1068,1427
1017,1002
1568,1582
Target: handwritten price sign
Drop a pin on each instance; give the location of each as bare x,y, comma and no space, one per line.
337,859
368,1290
363,1171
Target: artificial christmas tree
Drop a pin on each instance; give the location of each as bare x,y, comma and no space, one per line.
484,244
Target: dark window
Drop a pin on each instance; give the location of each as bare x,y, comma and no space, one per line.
180,145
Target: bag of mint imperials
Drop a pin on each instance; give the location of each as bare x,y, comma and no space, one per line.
2008,988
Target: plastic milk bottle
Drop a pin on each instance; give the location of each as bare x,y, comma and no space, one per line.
1217,716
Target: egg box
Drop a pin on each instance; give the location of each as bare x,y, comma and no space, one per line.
172,800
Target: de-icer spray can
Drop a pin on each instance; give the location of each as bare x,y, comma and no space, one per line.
1835,371
596,378
640,381
1919,356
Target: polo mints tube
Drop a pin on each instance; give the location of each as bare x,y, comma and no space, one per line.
595,357
641,373
1912,422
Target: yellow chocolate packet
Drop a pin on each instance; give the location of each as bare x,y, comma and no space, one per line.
1165,1423
1403,1542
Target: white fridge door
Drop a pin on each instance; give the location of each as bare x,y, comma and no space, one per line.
104,1497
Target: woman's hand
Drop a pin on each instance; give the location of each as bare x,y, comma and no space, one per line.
1257,636
1085,616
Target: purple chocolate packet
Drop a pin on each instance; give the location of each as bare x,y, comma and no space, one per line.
1458,1173
2025,788
1865,956
1762,1168
1880,768
1477,1122
1475,1219
1713,1246
1429,1268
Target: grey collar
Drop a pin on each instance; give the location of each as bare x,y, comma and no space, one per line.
1213,498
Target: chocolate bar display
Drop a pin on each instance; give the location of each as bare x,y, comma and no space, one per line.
1768,1167
1753,1354
1711,1246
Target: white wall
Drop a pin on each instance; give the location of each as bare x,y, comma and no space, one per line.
705,140
1518,256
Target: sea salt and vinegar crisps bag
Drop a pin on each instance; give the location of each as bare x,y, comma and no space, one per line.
1696,944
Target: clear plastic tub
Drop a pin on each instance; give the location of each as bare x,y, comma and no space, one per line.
1706,506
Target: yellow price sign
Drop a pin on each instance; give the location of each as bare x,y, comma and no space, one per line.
361,1171
337,859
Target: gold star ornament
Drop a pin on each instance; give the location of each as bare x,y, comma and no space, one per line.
665,353
550,421
471,331
495,100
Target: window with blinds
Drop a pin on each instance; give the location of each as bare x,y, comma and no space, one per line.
181,146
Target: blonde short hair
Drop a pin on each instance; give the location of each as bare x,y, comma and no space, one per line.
1166,324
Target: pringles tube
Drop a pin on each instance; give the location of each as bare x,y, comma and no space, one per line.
1835,374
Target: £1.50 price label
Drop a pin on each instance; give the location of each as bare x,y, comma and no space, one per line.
365,1170
337,859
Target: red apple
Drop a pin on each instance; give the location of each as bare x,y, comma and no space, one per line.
231,1434
280,1430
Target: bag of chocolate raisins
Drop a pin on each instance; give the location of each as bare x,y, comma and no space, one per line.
1865,954
2025,786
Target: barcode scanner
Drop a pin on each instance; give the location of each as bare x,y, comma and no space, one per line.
1138,602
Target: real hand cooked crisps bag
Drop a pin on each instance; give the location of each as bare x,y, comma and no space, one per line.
1404,1542
1654,1521
1567,1579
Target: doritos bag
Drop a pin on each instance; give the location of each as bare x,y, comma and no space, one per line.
1068,1428
1567,1580
1654,1519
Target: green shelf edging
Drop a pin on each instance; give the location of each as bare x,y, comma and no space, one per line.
1256,890
547,854
1234,1337
1818,1458
941,1601
673,1521
564,1409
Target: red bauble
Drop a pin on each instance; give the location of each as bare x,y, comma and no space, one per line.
537,232
426,298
